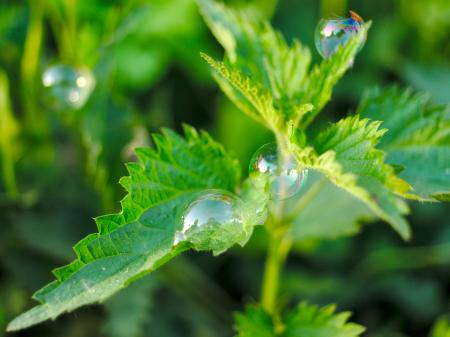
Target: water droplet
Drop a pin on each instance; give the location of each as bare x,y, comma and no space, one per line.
285,181
67,87
332,33
211,220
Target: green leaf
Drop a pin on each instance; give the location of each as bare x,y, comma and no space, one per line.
254,322
441,328
343,216
345,153
311,321
304,321
248,95
318,87
141,237
261,63
416,131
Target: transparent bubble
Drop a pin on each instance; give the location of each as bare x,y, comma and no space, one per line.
67,87
332,33
211,220
285,181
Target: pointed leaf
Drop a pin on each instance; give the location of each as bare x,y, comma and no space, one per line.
258,54
418,139
311,321
139,239
254,322
345,153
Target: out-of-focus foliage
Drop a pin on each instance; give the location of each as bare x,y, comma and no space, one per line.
441,328
145,55
305,320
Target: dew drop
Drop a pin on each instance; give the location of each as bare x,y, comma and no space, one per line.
67,87
286,181
332,33
213,218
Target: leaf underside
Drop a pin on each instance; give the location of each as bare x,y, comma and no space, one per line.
343,216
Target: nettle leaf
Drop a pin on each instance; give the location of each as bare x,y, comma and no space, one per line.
311,321
418,140
304,321
139,239
261,66
248,95
344,211
345,153
254,322
323,77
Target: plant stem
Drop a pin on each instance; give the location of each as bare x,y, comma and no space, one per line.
70,26
29,67
279,246
280,241
8,132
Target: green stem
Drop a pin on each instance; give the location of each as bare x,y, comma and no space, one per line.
280,241
8,132
29,66
278,249
71,8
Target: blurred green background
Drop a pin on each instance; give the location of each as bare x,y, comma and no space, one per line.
61,168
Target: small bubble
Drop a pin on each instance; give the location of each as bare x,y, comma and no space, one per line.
332,33
208,217
67,87
286,181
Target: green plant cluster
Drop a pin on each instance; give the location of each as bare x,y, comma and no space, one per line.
394,148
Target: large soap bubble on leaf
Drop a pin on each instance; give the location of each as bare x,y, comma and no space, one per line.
213,221
285,178
67,87
332,33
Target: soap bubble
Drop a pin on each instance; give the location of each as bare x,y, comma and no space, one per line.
212,221
284,181
332,33
67,87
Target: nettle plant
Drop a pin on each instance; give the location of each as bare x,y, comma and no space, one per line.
186,192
